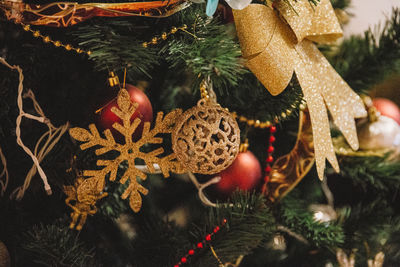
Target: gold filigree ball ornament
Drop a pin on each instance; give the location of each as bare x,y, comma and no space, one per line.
206,138
4,256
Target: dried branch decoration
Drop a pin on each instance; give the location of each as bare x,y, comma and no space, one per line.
129,151
206,139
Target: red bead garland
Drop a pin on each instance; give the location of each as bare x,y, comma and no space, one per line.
270,158
208,237
200,245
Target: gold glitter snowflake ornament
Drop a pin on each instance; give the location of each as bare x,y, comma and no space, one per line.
130,151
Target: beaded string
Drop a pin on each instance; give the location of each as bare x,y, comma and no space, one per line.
201,244
47,39
165,35
68,47
270,151
250,122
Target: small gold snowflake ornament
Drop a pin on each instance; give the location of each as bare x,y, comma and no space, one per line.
129,151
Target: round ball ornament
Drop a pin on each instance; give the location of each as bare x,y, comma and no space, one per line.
387,108
244,173
206,138
381,133
145,112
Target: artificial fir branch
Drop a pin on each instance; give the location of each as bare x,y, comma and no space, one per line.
54,245
250,222
378,174
341,4
370,227
212,54
295,215
370,218
367,60
115,45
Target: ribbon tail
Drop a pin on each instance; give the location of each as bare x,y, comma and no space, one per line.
342,102
323,145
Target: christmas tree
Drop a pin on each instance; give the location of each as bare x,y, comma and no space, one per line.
192,133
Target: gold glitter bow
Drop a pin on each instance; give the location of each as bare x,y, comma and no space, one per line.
277,44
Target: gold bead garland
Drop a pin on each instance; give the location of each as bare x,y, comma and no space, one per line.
250,122
47,39
165,35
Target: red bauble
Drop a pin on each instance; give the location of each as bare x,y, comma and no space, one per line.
387,108
144,111
244,173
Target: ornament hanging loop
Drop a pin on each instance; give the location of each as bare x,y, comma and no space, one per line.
244,146
207,91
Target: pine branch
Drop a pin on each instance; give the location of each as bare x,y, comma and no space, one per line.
294,214
214,54
157,243
377,174
368,60
341,4
371,227
250,222
55,245
115,45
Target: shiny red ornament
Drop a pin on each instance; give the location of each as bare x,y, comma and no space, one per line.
191,252
271,149
244,173
216,229
273,129
176,265
144,112
183,260
387,108
200,245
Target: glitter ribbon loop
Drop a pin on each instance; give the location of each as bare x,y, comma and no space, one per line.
276,45
318,24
